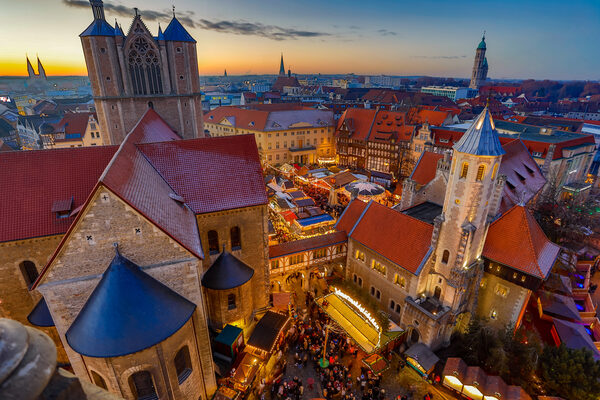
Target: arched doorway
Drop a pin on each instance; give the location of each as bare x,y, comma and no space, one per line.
437,292
413,336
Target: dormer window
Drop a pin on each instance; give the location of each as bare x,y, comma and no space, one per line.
62,208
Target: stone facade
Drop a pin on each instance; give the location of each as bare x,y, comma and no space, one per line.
253,225
16,300
120,104
85,255
501,301
221,313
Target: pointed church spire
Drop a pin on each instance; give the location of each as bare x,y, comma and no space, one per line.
281,67
161,35
225,73
118,30
481,139
30,70
41,70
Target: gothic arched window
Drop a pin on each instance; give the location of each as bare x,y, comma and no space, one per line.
480,172
495,171
144,68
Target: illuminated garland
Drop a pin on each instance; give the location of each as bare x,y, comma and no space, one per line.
362,310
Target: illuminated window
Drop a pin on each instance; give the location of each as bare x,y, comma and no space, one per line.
377,266
523,278
359,255
400,281
320,253
464,170
493,314
480,172
495,171
501,290
296,259
274,264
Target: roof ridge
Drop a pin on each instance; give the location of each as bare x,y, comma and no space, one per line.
530,241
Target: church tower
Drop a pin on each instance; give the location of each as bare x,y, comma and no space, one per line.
472,191
132,72
281,67
480,66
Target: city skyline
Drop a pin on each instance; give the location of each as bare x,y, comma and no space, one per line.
429,38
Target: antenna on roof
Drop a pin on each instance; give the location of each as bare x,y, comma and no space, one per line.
135,10
173,10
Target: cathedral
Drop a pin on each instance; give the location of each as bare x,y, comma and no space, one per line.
132,71
480,66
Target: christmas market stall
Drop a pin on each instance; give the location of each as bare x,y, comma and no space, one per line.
245,373
358,323
229,341
267,335
420,357
226,393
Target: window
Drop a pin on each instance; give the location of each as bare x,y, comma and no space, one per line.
359,281
501,290
274,264
437,293
231,301
464,170
29,272
378,295
400,281
236,238
359,255
372,290
98,380
320,253
142,386
480,172
144,68
354,278
183,364
377,266
398,308
92,126
493,314
213,242
296,259
445,257
495,171
392,304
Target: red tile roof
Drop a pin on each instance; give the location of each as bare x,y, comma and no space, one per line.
445,137
375,125
404,240
239,117
433,117
132,177
283,81
211,174
426,167
298,246
39,178
350,215
74,122
518,229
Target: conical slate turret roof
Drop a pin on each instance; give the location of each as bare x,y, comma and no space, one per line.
177,33
227,272
127,312
481,139
482,43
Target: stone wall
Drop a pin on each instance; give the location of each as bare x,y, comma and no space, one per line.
218,306
504,298
88,251
252,222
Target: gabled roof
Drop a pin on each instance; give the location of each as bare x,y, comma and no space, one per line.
127,312
375,125
516,240
227,272
350,216
481,139
176,32
74,123
312,243
267,331
37,179
433,117
132,177
402,239
426,167
211,174
283,81
574,336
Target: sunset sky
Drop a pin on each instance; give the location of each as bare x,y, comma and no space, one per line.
539,39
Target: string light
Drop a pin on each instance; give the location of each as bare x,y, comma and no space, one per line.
361,309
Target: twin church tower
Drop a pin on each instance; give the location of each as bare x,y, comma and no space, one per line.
131,72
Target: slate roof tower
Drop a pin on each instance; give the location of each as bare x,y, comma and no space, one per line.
480,66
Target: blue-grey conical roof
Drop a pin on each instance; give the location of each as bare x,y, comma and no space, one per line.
482,43
177,33
227,272
40,315
481,139
118,30
127,312
99,27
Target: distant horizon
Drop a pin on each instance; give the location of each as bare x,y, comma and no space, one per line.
426,38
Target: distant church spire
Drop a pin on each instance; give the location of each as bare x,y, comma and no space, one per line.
281,67
30,70
225,73
98,9
41,70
